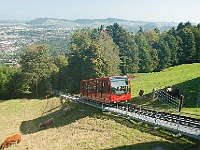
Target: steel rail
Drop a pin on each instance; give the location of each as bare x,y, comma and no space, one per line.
173,122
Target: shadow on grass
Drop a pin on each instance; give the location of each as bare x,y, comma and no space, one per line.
79,111
157,145
188,89
175,143
1,101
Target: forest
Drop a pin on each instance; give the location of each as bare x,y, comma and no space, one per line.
101,52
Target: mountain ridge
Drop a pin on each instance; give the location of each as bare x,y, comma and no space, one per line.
34,21
131,26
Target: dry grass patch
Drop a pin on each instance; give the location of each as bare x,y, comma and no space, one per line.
83,128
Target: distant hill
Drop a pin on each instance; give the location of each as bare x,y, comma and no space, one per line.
131,26
108,20
46,21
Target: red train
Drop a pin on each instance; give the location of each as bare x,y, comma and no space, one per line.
107,90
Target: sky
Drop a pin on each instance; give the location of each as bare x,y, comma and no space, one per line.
132,10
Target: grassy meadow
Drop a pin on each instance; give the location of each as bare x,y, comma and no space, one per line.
88,128
184,77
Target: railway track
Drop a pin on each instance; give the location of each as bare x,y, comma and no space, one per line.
181,125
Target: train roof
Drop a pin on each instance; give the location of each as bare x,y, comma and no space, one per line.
118,77
111,77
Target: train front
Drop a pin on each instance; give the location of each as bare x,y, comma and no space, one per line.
120,89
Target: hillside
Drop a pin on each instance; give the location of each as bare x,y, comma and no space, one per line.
83,128
131,26
86,127
184,77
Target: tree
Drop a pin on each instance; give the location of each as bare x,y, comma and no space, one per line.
154,59
110,51
14,84
198,26
60,77
10,82
157,30
140,30
173,46
145,63
37,66
188,25
91,57
188,46
196,31
197,45
151,38
128,51
180,26
4,79
80,42
164,54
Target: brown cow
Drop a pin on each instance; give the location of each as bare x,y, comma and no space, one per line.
169,89
16,138
174,93
46,123
141,92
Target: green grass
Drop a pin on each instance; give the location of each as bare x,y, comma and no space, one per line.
94,129
185,77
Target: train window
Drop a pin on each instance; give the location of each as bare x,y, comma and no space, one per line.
108,87
119,90
89,87
116,82
93,86
103,87
84,86
98,86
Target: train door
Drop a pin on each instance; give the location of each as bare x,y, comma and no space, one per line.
102,89
92,90
84,89
88,90
105,91
95,89
98,90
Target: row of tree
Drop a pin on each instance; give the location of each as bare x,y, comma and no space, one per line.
98,53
